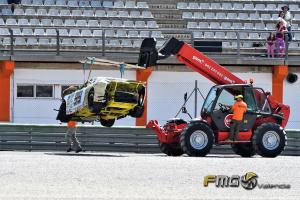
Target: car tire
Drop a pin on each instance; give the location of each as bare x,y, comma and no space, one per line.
107,123
197,139
141,97
244,150
138,110
269,140
171,149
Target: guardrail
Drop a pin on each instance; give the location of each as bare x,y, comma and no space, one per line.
238,39
96,138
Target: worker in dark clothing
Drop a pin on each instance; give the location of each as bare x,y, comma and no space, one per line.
71,139
239,108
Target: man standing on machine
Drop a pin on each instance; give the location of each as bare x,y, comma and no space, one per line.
239,108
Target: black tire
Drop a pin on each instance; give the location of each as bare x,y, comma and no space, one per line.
170,149
138,111
107,123
244,150
141,97
204,132
260,140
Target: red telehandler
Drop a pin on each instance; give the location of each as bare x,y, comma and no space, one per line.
262,131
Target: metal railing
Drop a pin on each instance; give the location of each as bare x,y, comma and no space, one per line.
238,51
96,138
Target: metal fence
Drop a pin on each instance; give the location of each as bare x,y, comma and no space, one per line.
96,138
233,42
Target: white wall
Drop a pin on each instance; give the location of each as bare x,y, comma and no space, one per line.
291,97
29,110
165,93
166,90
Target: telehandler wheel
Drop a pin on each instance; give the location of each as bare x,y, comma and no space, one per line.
197,139
107,123
244,150
269,140
171,149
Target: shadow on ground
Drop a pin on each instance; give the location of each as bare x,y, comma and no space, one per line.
85,154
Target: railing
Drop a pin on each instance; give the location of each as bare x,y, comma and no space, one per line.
238,50
96,138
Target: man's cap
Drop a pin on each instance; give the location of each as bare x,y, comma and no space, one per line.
239,96
286,6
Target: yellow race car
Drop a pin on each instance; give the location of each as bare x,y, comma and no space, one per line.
103,99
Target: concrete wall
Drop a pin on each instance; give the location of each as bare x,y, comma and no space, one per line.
165,90
291,96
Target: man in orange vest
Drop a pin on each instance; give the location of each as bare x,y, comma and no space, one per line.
239,108
72,141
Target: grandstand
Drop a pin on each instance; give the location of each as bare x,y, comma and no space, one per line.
91,25
51,35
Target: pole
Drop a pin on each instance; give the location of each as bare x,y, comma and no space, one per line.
196,97
11,42
103,42
57,43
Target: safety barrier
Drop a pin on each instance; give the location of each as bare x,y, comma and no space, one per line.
96,138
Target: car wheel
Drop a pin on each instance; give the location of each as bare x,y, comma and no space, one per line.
141,97
138,111
170,149
107,123
244,150
196,139
269,140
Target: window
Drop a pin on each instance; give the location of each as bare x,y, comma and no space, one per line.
25,91
39,91
209,100
44,91
226,98
261,100
249,99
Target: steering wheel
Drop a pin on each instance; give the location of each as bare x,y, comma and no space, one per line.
224,108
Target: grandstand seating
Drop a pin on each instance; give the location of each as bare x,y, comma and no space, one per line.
124,23
80,23
227,19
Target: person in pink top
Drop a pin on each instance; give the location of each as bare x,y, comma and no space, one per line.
271,45
280,31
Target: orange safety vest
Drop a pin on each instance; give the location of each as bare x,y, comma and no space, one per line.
71,124
239,108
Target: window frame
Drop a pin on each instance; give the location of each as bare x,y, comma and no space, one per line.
34,91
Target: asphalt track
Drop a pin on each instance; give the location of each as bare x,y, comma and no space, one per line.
102,175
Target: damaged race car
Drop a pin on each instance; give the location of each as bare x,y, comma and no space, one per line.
103,99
